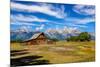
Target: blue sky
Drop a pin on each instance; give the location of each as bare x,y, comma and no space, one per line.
37,16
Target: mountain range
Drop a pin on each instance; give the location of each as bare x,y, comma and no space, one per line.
59,34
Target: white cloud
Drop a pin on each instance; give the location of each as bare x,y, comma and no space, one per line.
20,19
42,8
40,27
29,18
77,25
24,29
85,20
84,9
81,26
23,23
80,20
73,22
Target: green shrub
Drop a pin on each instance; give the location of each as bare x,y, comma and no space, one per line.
84,36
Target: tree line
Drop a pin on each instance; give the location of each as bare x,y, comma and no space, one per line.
84,36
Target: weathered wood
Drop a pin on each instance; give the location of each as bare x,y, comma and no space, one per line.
40,40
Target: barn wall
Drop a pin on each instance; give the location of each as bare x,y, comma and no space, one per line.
40,40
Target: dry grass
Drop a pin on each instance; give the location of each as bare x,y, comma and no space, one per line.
62,52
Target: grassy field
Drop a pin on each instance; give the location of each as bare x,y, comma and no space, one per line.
61,52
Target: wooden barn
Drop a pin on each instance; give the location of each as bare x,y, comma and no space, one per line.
38,39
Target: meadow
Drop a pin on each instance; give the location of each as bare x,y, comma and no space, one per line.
61,52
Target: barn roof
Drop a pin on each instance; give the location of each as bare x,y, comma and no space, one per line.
34,36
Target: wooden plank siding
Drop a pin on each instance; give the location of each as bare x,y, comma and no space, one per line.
40,40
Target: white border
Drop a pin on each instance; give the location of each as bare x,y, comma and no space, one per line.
5,29
4,33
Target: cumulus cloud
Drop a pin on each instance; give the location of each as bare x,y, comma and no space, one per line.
84,9
42,8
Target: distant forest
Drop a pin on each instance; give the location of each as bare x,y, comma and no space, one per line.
84,36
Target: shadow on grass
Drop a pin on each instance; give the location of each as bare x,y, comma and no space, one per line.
28,60
14,51
18,52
